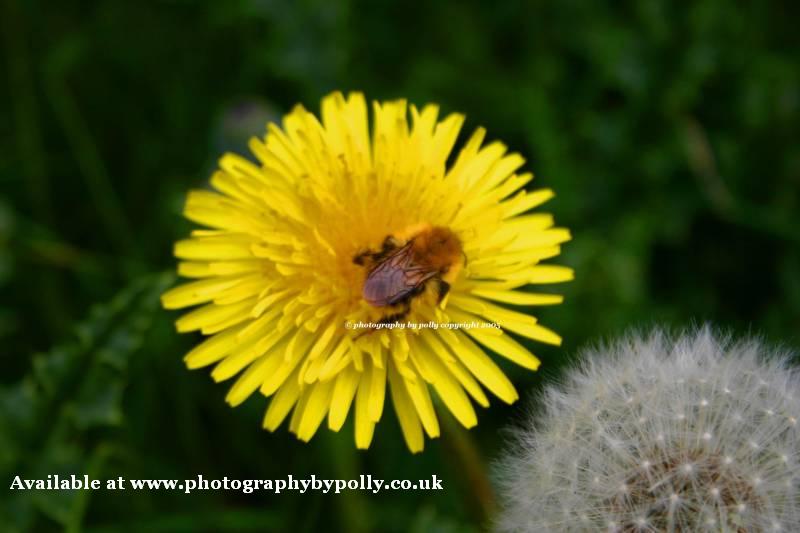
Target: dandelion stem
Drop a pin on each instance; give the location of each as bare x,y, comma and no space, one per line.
465,453
353,513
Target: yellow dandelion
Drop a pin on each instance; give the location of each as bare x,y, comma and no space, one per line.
337,226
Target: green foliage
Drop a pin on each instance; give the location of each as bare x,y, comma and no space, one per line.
668,131
57,419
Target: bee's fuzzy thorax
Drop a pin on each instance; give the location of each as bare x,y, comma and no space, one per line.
438,248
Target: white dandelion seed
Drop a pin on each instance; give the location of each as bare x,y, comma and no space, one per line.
727,464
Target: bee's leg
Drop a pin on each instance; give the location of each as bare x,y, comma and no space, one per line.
443,289
389,244
367,258
405,313
388,319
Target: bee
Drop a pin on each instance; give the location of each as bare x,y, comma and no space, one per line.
402,269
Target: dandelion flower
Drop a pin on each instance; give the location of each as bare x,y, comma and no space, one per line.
693,434
280,268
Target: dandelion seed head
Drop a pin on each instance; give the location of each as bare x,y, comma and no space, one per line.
724,464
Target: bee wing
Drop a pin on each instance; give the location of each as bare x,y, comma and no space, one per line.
394,279
387,287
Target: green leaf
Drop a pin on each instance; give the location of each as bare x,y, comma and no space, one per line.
54,419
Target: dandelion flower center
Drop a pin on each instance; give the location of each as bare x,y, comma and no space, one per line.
342,221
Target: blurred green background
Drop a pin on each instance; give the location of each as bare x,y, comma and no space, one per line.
668,130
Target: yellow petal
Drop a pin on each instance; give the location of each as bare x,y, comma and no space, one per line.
519,298
485,370
290,357
316,408
456,369
334,361
247,352
406,414
214,248
550,274
212,349
343,393
377,392
323,340
365,427
508,348
502,344
450,391
421,398
299,409
525,201
197,292
194,269
211,314
281,404
252,378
